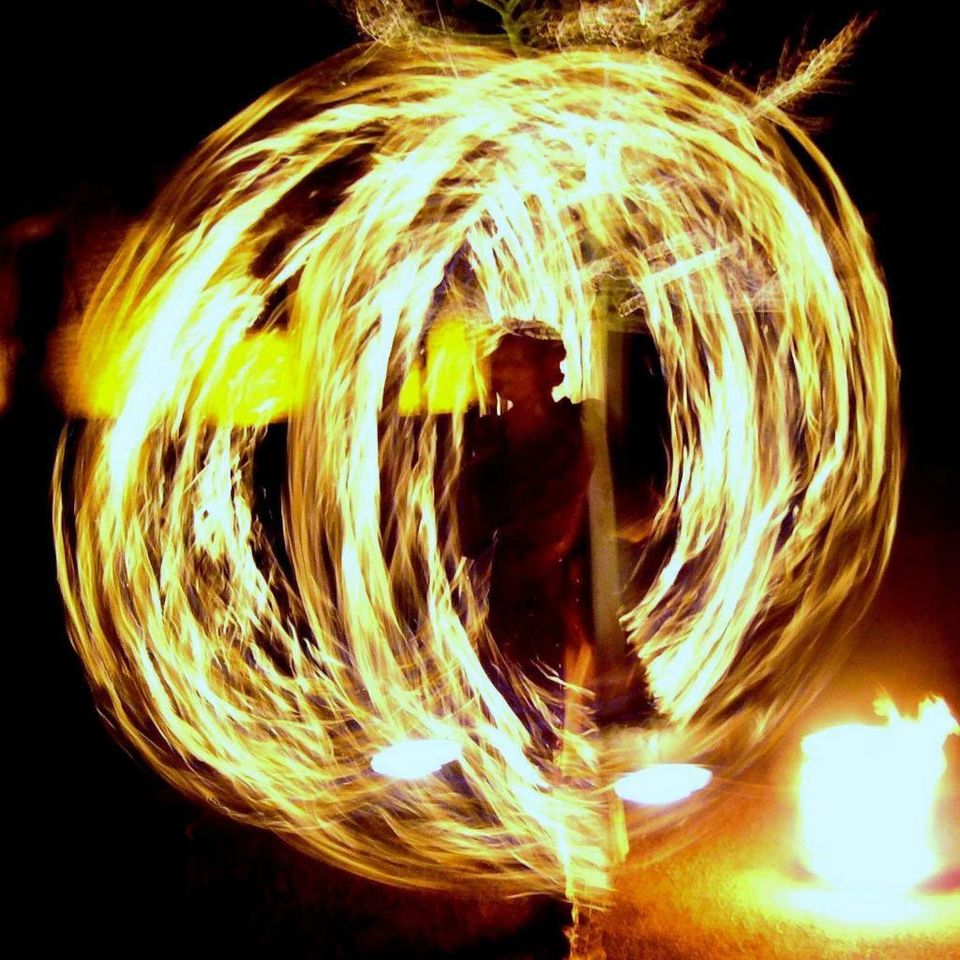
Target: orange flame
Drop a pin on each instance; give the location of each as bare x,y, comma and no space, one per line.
868,796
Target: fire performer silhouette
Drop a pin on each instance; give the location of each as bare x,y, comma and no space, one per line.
523,506
523,513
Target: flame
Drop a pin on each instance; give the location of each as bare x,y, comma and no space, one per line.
868,797
256,385
663,783
413,759
299,267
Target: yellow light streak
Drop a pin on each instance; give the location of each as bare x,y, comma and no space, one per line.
256,385
264,686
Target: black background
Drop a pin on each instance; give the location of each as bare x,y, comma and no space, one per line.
103,101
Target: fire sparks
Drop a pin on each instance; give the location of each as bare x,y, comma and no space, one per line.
868,797
299,267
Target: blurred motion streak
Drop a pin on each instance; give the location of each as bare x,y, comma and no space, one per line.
406,201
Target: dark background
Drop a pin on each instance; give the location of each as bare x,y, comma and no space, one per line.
103,101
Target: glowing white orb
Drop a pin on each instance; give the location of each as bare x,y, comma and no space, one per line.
868,798
662,783
413,759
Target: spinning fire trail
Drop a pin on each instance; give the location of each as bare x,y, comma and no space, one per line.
294,269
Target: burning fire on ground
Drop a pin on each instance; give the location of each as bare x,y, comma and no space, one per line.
868,797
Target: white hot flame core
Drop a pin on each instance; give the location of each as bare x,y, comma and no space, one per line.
868,797
663,783
413,759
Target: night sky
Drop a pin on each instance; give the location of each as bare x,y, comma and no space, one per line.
103,101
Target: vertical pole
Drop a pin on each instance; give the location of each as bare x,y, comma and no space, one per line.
605,574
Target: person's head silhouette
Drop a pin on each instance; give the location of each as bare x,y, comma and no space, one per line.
525,369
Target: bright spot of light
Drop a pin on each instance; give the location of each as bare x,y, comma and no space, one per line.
868,798
857,908
662,783
413,759
862,915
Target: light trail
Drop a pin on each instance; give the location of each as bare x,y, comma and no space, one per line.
326,216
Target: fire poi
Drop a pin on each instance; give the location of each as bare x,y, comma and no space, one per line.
333,684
